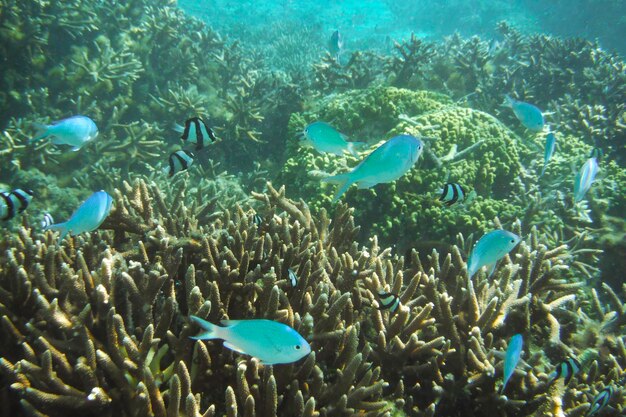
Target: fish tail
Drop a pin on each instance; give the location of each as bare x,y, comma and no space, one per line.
43,131
178,128
209,330
344,182
354,146
61,228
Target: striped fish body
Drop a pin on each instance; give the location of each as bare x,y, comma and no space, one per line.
180,161
14,202
293,278
47,221
197,131
257,220
600,401
452,193
388,301
566,369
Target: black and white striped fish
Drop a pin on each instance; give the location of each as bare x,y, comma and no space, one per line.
196,131
566,369
179,161
14,202
293,278
257,220
452,193
388,301
600,401
47,221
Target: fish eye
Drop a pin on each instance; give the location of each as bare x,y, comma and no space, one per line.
298,347
512,240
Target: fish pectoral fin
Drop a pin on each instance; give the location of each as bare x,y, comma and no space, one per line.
203,336
491,268
75,148
237,349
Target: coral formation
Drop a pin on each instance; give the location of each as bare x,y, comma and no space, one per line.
98,325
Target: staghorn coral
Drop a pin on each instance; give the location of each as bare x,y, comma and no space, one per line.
98,325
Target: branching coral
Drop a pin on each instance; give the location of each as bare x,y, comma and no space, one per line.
98,325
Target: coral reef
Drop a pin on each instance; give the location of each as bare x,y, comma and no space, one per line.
98,325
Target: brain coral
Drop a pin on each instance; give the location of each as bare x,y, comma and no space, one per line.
462,145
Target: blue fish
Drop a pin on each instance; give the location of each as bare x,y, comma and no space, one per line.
386,163
600,401
511,358
584,178
335,44
325,138
87,217
566,369
530,116
490,249
269,341
549,150
75,131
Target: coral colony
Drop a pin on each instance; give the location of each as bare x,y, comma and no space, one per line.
381,313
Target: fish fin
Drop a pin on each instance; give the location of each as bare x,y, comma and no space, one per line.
492,269
177,128
343,180
56,141
354,146
237,349
75,148
43,131
211,331
228,323
508,101
365,184
61,228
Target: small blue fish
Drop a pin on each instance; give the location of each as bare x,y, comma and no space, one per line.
75,131
511,358
335,44
549,150
490,249
530,116
87,217
269,341
14,202
386,163
293,278
584,178
566,369
325,138
600,401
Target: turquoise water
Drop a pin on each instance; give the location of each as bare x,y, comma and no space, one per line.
395,190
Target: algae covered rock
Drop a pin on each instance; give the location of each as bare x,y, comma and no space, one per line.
462,145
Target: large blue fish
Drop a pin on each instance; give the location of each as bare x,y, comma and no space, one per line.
387,163
549,150
75,131
584,178
269,341
511,358
490,249
87,217
530,116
